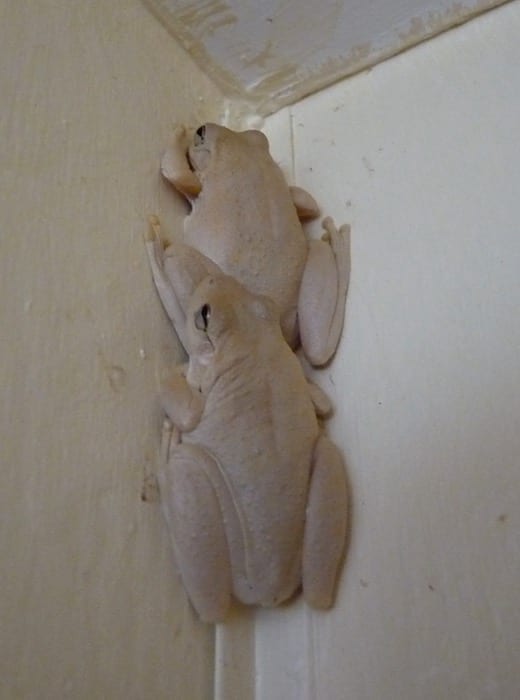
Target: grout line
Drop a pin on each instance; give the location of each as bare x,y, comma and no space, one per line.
291,142
235,657
311,693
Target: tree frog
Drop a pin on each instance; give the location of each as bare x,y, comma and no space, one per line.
246,219
254,493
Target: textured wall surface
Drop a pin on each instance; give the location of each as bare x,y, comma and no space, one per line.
90,606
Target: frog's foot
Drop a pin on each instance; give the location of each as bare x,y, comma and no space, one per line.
175,166
323,293
190,503
153,242
163,284
325,526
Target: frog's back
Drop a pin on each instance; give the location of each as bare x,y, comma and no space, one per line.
245,220
261,428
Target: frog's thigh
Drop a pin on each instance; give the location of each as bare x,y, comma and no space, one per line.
194,518
325,526
323,292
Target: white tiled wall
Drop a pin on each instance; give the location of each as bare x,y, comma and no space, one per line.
422,156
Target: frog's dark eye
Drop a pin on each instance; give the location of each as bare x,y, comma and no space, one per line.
200,134
202,317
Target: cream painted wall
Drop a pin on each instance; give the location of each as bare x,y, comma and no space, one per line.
421,155
89,604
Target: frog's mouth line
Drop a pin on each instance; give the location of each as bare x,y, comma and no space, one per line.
198,151
190,164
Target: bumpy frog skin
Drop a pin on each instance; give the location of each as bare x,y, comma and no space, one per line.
253,492
246,219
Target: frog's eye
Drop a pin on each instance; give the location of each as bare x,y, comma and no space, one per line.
202,317
200,135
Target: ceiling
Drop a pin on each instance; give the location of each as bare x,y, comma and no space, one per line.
269,53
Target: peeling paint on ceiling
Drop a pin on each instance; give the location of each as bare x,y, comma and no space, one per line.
270,53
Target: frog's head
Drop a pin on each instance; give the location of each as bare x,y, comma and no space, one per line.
214,144
222,309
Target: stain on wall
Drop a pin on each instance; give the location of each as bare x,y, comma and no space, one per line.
273,53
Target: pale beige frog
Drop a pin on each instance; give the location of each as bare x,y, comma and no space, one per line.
246,218
254,493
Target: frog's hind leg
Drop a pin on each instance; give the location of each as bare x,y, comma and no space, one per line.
323,293
325,526
193,514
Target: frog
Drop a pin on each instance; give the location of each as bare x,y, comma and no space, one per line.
253,491
247,219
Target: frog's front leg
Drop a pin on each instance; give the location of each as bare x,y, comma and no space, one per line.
325,526
181,402
189,485
323,293
176,168
176,272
